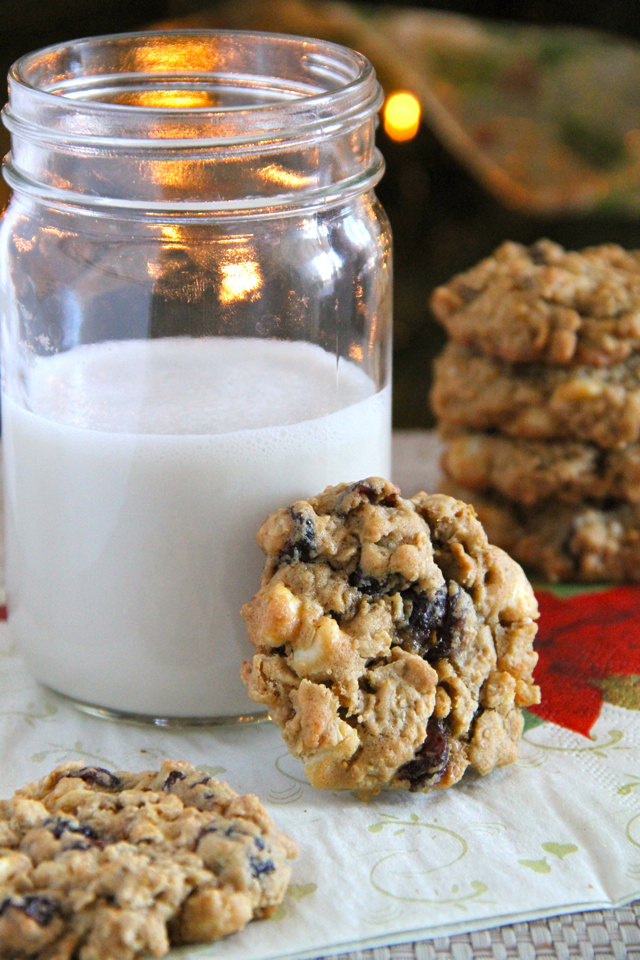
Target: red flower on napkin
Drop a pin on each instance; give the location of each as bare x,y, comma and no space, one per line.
582,640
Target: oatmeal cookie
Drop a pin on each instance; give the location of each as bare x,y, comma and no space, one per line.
97,865
586,542
528,471
545,303
537,402
393,643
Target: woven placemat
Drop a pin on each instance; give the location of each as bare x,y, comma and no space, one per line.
601,933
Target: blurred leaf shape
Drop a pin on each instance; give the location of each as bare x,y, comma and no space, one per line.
547,118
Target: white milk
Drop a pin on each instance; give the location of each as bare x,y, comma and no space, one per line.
133,494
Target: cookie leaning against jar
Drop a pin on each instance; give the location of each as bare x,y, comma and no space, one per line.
537,401
393,643
545,303
117,866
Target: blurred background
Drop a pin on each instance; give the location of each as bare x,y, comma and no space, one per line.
522,121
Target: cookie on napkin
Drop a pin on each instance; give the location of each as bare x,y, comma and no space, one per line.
97,865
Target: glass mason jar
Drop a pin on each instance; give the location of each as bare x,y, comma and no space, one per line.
196,293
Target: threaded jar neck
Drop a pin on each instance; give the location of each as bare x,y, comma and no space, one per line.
212,122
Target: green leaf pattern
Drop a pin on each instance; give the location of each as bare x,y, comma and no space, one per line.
558,850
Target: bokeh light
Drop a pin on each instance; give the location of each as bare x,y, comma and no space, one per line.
401,115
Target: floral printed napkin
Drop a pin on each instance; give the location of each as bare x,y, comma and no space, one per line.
558,831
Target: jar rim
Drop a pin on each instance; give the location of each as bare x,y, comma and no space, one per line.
44,101
288,122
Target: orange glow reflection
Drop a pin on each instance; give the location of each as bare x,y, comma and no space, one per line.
168,98
240,279
175,55
278,174
23,245
172,233
177,174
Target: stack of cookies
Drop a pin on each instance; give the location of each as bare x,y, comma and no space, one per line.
538,398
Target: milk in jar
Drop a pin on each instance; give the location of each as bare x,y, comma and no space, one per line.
131,518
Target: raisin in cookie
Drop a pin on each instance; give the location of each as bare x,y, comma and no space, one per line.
97,865
394,644
528,471
587,542
544,303
600,405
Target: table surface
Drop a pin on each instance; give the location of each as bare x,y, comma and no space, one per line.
596,934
